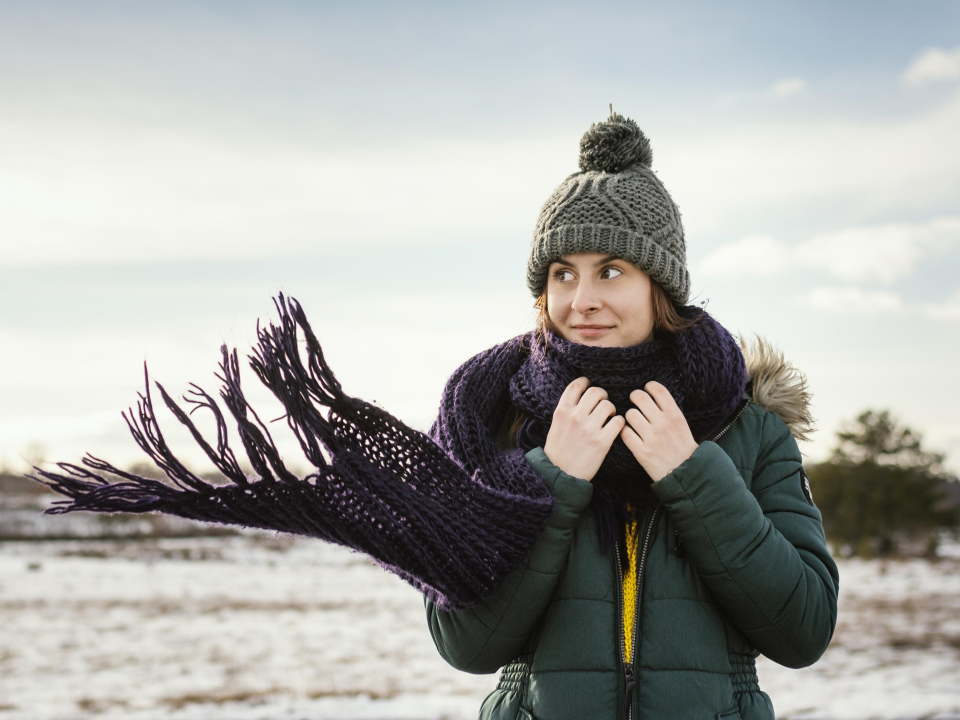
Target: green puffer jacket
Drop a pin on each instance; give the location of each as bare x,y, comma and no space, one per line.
733,563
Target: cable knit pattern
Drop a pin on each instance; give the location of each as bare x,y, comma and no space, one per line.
616,206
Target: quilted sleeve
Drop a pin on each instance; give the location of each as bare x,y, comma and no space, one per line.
761,551
488,635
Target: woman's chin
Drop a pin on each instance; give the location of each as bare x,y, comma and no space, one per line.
610,338
605,338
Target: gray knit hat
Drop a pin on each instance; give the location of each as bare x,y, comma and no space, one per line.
615,205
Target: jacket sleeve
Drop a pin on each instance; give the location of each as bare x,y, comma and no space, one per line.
760,551
484,638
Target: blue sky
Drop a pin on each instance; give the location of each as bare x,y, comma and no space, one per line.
165,168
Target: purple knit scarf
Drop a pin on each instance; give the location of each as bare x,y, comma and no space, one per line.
450,512
702,367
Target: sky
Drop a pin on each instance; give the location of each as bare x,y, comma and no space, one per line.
166,168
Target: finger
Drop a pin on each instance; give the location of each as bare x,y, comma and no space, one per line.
637,421
633,441
612,429
645,403
604,410
661,396
571,394
591,398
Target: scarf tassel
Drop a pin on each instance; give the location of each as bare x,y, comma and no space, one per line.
380,487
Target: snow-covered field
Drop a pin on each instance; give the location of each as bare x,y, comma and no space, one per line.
257,627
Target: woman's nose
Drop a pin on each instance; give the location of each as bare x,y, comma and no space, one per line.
587,299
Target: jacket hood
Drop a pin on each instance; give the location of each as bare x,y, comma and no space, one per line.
778,386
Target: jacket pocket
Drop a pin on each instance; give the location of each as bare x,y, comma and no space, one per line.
733,714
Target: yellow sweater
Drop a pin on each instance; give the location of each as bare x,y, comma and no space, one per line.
630,589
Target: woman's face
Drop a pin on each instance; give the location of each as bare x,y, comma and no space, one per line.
599,300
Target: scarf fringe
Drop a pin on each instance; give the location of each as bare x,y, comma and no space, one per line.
451,530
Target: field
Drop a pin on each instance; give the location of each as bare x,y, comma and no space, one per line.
254,627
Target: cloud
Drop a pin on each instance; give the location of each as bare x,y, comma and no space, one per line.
855,301
786,87
880,253
25,429
947,311
78,191
761,255
78,194
933,65
881,167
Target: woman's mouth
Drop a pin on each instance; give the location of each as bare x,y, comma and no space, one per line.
592,330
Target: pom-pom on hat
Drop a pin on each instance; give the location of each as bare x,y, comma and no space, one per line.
615,205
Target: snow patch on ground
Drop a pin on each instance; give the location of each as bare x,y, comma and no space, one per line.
895,653
257,627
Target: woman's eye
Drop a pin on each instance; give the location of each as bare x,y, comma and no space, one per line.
563,275
610,272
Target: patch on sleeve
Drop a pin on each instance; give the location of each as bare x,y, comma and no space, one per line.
805,484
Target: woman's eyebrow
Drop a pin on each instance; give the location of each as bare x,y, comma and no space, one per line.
603,261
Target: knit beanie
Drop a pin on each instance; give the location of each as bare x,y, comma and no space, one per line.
615,205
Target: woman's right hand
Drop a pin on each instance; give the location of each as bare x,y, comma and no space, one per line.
584,426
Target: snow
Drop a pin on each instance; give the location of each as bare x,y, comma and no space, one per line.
895,653
254,627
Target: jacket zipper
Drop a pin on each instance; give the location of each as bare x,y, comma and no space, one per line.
743,406
629,675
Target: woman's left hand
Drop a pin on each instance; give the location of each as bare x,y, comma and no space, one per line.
657,432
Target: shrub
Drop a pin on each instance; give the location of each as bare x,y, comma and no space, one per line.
881,493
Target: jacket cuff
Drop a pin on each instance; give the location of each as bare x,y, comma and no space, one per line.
571,495
700,475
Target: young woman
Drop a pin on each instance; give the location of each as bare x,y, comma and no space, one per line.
611,509
683,542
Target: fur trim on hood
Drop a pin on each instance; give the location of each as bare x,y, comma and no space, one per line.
778,386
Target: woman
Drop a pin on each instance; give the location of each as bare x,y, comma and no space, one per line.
703,547
604,508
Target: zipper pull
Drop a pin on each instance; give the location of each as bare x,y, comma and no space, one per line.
631,683
678,545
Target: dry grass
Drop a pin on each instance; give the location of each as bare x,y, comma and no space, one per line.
221,697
